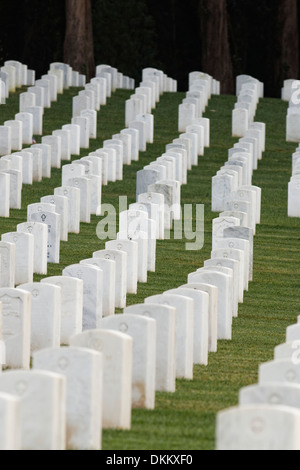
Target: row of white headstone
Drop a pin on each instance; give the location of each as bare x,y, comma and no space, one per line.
74,202
267,416
249,91
236,174
201,87
14,75
89,278
168,172
238,202
291,94
34,163
89,319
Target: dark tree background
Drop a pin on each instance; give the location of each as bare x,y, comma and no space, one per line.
222,37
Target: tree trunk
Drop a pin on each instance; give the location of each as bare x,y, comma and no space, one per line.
79,45
216,55
284,44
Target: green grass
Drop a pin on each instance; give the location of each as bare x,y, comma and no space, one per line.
186,419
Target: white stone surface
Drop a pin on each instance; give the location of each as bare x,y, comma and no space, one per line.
40,233
16,128
258,427
92,278
184,331
53,221
234,267
16,319
222,282
117,146
121,259
45,315
84,184
75,137
142,330
286,394
42,397
141,238
73,196
61,204
71,305
24,244
65,140
283,370
15,191
27,120
4,195
109,283
10,421
46,159
117,350
239,256
7,264
237,244
219,225
165,317
187,114
222,186
131,248
240,122
83,371
5,140
55,144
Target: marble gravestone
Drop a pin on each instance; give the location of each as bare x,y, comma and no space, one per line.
92,278
117,350
143,332
83,371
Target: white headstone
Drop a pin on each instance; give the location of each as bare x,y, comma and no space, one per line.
62,208
16,320
43,407
117,349
131,248
109,283
10,421
258,427
184,330
53,222
40,233
73,196
83,371
24,243
55,144
143,333
121,259
71,305
45,315
7,265
92,278
165,317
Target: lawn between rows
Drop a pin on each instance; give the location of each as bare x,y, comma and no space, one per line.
186,419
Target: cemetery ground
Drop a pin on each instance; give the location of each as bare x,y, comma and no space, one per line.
186,419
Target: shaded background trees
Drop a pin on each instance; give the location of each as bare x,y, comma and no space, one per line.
222,37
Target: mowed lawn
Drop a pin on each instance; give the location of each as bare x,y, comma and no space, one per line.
186,419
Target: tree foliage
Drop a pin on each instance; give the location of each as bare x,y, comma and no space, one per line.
262,36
